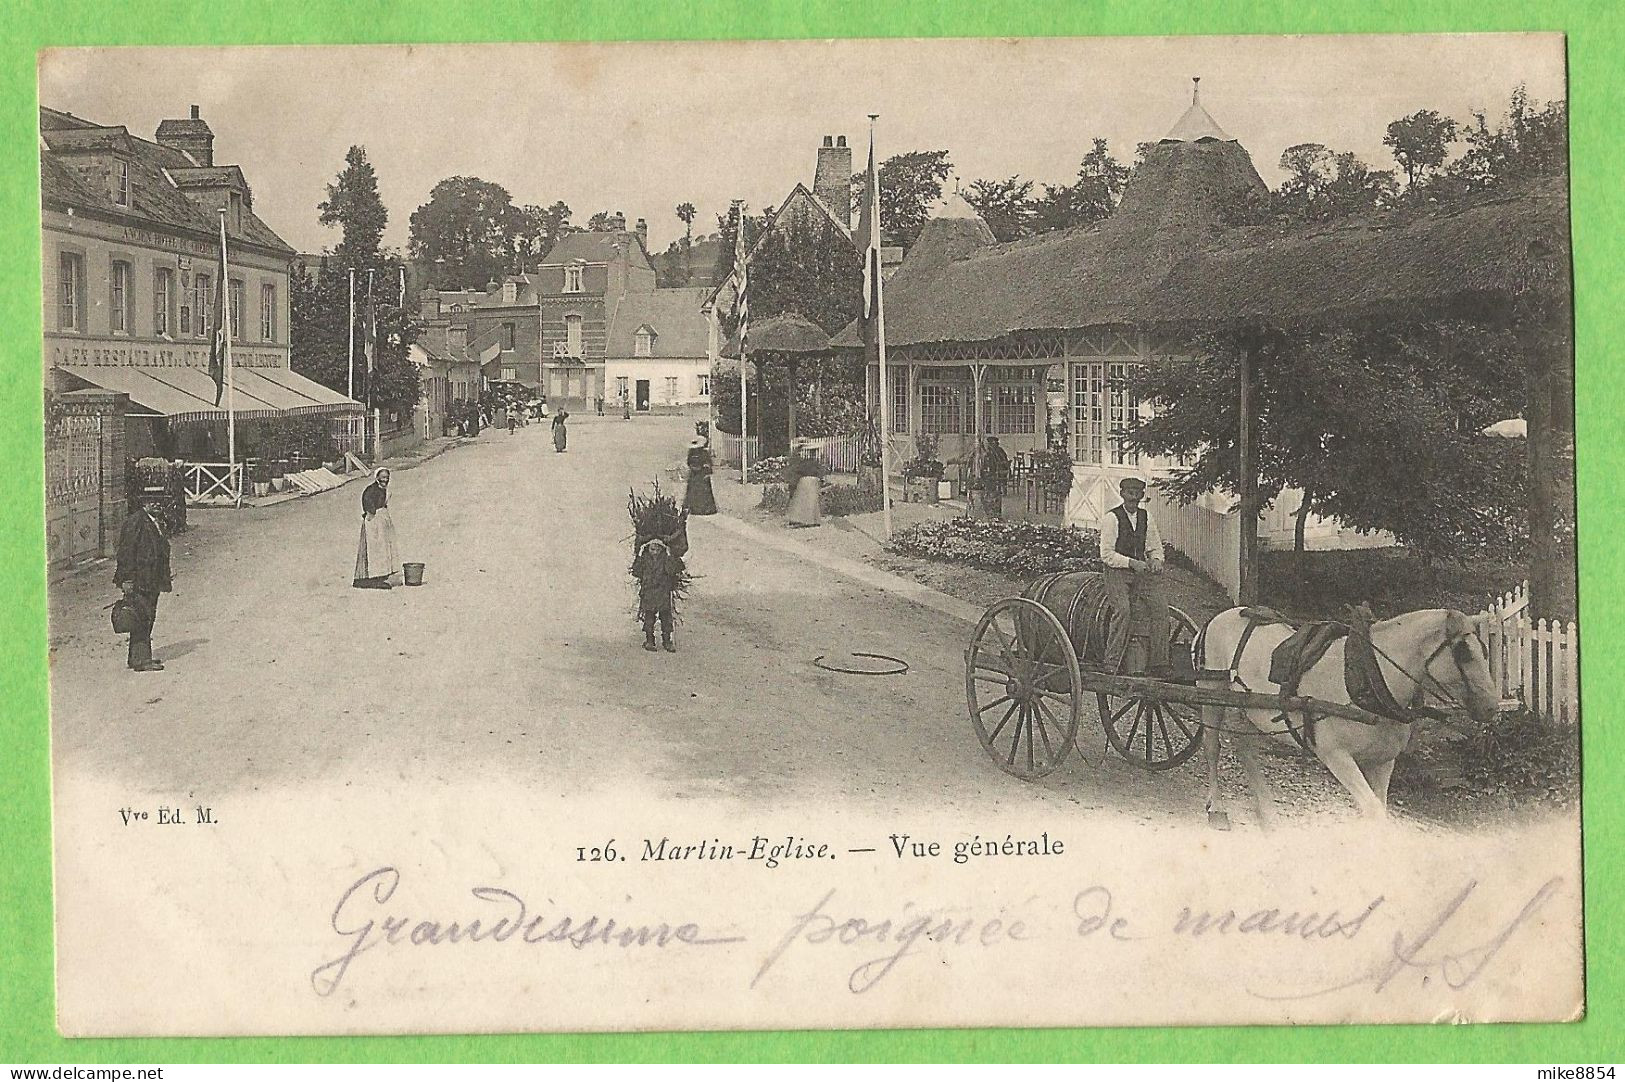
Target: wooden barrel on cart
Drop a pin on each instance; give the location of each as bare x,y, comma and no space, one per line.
1037,649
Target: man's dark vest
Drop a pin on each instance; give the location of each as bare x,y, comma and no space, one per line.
1130,536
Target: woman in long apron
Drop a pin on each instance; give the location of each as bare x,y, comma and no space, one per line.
376,558
559,434
806,481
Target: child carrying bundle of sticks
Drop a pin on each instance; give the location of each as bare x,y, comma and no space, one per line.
660,541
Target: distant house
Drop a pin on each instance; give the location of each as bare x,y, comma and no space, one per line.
828,201
657,354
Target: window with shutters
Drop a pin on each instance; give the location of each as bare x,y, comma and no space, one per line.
185,322
236,295
268,313
572,279
671,388
119,298
705,384
163,289
70,304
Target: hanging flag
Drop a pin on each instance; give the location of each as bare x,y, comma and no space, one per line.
742,276
868,235
219,342
369,333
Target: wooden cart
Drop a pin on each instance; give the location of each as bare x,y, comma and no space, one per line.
1034,661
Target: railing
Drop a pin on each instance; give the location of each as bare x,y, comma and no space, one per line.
211,481
1536,662
725,449
1210,538
838,453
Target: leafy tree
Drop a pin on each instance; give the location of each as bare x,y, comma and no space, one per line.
1092,196
538,229
685,214
727,231
320,303
809,268
1531,141
466,232
909,184
1005,205
353,204
1322,184
1379,428
1420,143
602,222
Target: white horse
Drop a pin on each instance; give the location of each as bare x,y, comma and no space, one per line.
1431,656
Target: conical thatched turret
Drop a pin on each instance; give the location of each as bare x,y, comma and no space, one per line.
958,286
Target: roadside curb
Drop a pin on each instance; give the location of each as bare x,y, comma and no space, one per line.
857,571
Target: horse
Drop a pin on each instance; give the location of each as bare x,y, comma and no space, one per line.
1431,655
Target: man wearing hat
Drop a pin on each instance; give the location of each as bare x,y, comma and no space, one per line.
142,572
1131,549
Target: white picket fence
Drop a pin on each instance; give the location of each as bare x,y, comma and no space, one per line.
725,449
1535,662
838,453
1211,539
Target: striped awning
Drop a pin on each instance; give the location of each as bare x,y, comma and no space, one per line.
187,394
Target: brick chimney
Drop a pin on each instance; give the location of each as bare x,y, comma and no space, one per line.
832,183
617,223
191,136
643,233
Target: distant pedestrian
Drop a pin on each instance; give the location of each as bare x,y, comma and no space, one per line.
626,406
805,472
142,572
699,499
376,558
513,419
600,401
992,477
559,433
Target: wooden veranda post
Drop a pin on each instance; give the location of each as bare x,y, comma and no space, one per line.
790,361
1247,448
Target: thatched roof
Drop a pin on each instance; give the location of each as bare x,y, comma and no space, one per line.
1484,252
787,333
1094,275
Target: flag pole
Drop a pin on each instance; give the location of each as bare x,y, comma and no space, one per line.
350,387
372,368
231,384
880,342
743,330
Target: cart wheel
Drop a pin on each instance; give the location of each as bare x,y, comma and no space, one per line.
1023,687
1154,733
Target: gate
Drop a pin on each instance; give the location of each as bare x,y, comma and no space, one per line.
73,488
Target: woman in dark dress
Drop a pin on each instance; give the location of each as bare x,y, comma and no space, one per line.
559,434
699,499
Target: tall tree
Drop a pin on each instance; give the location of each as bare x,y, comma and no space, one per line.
1005,205
1322,184
320,305
538,229
601,222
1093,195
353,205
685,214
465,232
1420,143
909,184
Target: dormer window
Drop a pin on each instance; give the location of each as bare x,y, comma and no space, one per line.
510,292
572,279
643,343
121,182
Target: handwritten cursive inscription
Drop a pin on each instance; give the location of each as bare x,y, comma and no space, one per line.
357,920
1419,955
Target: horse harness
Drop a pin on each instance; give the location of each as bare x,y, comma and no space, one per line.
1362,675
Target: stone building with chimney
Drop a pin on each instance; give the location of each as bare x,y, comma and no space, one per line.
131,251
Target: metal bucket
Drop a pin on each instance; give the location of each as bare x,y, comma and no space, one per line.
413,574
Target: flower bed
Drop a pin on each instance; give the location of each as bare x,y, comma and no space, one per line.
1018,549
834,500
767,470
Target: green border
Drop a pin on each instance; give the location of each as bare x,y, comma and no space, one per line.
1597,77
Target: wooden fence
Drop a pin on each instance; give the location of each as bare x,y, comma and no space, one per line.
1210,538
838,453
1535,662
725,450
